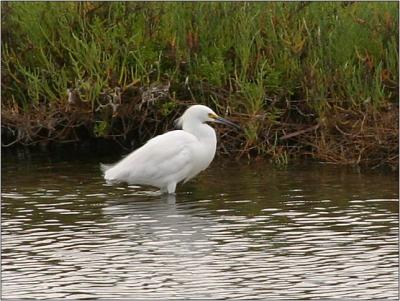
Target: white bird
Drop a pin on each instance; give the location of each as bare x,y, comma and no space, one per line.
170,158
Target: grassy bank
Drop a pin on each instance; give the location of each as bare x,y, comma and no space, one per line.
303,79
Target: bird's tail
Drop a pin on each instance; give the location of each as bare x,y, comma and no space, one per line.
110,179
105,167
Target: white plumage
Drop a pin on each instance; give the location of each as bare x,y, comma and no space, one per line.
175,156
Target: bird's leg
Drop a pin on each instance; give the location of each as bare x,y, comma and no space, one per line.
171,188
169,198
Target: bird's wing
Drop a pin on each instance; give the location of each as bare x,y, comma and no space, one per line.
165,156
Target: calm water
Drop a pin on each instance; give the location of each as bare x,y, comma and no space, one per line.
237,231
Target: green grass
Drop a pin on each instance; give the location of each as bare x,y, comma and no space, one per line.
323,54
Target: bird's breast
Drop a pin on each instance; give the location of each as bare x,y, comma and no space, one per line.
205,154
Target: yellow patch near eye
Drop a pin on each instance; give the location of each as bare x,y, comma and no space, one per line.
211,115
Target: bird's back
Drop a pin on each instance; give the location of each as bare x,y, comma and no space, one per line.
163,159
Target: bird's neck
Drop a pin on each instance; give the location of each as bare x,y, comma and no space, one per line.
201,131
208,142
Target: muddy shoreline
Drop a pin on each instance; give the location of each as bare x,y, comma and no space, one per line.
366,138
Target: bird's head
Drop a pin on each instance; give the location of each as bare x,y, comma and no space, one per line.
201,114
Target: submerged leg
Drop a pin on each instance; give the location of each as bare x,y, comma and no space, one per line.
171,187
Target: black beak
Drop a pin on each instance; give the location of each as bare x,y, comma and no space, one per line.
226,122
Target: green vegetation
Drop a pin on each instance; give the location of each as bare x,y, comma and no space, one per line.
303,78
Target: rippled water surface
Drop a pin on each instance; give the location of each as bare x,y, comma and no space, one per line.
236,231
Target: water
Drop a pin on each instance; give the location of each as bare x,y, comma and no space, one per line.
309,231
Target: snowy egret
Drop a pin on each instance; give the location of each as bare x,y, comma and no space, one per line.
170,158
